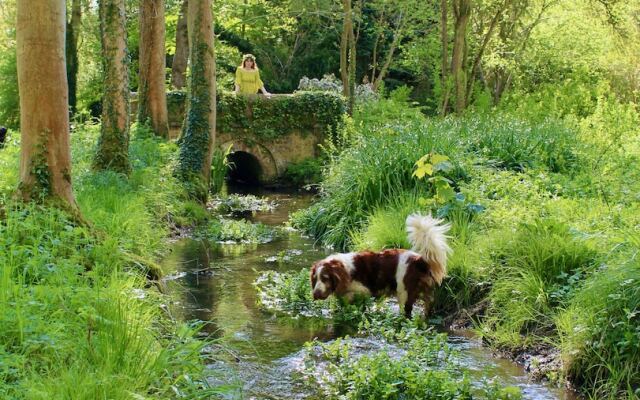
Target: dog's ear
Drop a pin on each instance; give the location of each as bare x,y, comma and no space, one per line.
312,275
339,278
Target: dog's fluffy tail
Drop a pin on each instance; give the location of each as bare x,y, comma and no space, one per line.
428,237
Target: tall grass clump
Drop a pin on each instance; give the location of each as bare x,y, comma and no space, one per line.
600,331
537,271
77,321
374,171
516,144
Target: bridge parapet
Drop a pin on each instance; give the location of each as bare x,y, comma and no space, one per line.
278,130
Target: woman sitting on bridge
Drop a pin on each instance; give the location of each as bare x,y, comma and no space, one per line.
248,77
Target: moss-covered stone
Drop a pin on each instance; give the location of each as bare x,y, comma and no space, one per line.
268,118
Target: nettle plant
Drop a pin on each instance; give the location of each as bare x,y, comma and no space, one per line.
432,166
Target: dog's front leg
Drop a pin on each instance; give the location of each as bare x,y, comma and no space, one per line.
349,297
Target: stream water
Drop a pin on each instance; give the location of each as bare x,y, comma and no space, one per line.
261,355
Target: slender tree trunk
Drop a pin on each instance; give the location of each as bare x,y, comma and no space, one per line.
113,145
73,30
444,42
374,58
344,47
462,12
181,57
152,95
483,46
394,44
352,71
196,147
45,156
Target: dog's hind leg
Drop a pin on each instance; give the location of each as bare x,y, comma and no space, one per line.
408,306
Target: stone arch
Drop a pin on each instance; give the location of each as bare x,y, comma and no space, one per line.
261,154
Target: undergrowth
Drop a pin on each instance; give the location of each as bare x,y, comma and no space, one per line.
544,223
77,321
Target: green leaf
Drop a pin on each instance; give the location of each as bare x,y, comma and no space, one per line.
421,171
445,193
438,158
422,160
443,166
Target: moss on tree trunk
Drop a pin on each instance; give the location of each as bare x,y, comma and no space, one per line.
113,145
196,144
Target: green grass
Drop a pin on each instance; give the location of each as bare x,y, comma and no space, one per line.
77,321
600,331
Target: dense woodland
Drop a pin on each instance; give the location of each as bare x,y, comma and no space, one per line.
516,121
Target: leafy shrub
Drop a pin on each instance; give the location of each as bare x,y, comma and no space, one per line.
305,172
329,83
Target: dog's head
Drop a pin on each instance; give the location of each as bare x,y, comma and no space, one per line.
327,277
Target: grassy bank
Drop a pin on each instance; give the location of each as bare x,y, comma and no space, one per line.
545,219
77,321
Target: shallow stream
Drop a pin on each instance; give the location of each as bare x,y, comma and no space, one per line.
262,355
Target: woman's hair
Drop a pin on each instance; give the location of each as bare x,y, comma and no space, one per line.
249,57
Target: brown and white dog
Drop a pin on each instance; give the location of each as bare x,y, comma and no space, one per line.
410,275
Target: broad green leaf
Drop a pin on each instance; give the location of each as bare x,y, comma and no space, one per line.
438,158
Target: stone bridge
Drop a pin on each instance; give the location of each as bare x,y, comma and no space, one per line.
266,134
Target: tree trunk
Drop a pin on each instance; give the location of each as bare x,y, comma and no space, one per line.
444,42
352,70
196,146
113,145
45,156
181,57
394,44
344,47
73,30
462,12
152,95
485,41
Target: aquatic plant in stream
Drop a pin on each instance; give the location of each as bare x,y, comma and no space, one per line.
289,293
394,358
241,204
236,231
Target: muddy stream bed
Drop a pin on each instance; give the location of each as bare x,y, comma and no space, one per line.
262,355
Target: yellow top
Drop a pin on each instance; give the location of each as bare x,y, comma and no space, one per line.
248,80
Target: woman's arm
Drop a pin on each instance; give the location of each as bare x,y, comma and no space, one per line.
237,80
262,89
